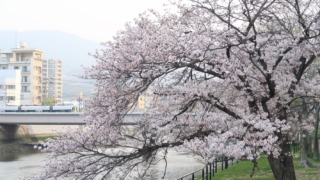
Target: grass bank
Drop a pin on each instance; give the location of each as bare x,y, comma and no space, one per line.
243,169
25,139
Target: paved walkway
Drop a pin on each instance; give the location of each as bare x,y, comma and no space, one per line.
179,164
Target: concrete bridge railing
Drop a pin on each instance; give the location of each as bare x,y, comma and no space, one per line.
9,121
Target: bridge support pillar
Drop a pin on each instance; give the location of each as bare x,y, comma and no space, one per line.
8,131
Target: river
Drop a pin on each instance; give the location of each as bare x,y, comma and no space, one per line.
15,166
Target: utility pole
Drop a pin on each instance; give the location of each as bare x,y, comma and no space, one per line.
80,100
5,95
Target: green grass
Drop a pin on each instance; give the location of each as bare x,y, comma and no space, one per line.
243,169
33,138
44,137
311,173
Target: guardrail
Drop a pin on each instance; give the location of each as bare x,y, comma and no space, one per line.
295,146
208,171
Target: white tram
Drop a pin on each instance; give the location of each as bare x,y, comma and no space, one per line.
54,108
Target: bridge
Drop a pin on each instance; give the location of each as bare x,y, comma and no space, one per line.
9,121
56,118
42,118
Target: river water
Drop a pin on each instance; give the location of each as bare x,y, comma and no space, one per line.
15,166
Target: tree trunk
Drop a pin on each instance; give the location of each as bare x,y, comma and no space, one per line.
316,145
304,149
304,137
282,167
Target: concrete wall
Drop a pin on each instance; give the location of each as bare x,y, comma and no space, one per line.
44,130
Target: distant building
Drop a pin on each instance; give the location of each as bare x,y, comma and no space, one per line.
52,80
141,102
10,87
29,62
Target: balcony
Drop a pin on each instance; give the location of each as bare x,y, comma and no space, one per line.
3,59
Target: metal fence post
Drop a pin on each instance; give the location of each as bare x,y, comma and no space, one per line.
209,170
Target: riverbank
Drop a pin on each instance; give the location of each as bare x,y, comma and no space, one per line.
243,170
12,148
23,164
22,144
12,151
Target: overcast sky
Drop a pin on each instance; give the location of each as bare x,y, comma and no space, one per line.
97,20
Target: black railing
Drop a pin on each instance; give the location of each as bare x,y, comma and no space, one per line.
208,171
295,146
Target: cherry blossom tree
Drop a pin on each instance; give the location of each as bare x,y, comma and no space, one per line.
219,77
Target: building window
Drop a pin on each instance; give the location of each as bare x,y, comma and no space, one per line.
24,89
24,69
11,87
16,67
24,78
11,98
22,58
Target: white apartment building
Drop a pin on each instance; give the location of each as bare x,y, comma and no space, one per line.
29,62
10,87
52,80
